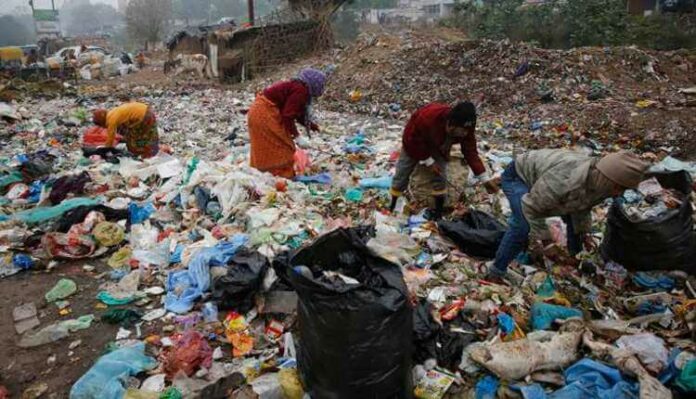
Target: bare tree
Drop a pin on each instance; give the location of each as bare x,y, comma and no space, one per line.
146,19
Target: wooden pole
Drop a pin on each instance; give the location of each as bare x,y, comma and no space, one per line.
250,5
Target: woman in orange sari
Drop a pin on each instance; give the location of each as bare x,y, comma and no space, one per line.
272,119
135,122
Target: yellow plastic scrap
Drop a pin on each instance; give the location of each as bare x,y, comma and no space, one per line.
290,384
355,95
109,234
120,258
645,103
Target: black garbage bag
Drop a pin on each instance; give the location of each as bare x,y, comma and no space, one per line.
355,338
236,289
69,184
476,234
666,242
434,341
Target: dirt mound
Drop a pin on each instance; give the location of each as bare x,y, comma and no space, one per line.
617,95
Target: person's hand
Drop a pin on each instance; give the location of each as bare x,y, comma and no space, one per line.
492,186
314,127
435,168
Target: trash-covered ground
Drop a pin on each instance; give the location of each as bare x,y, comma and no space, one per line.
180,275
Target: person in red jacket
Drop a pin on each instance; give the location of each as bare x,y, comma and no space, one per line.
272,117
428,139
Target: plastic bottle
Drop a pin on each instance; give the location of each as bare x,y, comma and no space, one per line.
210,312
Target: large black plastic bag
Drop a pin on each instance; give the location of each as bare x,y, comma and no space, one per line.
476,234
236,289
355,340
666,242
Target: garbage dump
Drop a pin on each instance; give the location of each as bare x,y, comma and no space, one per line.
192,274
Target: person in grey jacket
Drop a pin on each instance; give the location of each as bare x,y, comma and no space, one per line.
546,183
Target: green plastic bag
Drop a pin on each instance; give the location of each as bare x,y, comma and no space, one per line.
687,378
125,317
63,289
43,214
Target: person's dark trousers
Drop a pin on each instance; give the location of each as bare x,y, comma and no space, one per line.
516,237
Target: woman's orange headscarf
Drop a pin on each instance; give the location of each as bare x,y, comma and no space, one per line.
99,117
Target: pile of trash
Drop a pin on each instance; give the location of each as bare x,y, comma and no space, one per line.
609,96
224,280
650,201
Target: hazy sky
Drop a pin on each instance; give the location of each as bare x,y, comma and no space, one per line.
8,6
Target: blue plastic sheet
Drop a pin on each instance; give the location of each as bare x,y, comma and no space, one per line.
383,182
43,214
543,314
487,387
659,283
176,255
35,191
138,214
106,378
321,178
23,261
588,379
533,391
194,281
506,323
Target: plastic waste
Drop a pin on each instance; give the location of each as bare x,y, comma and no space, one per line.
68,184
476,234
657,283
185,286
365,349
96,136
236,289
290,383
487,388
514,360
321,178
132,393
68,246
55,332
686,381
124,317
23,261
63,289
122,292
649,386
120,258
649,348
665,242
544,314
109,234
210,312
190,352
40,215
105,379
354,194
435,341
138,214
383,182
